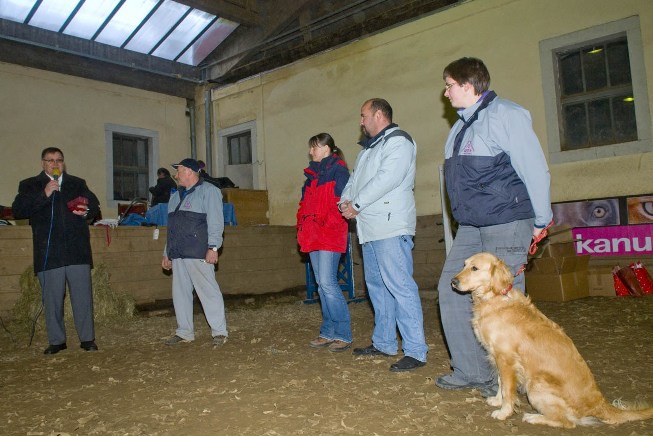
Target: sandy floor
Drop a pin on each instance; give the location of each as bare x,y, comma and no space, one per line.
267,381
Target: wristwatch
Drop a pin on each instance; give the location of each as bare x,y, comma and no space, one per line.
214,248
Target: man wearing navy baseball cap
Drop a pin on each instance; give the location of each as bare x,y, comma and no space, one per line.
195,226
189,163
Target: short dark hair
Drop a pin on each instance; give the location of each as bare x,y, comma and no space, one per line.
163,171
50,150
469,70
379,104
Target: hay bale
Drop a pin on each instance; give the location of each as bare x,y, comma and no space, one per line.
107,305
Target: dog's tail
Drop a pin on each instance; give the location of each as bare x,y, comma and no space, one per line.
618,412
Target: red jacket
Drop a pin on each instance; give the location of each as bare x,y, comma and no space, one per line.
320,226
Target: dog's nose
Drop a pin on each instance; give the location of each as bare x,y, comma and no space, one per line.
455,282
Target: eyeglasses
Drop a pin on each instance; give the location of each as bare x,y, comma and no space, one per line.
52,161
447,86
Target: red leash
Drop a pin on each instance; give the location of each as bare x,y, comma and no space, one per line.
533,248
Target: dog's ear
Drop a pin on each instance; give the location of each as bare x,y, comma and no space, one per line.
501,277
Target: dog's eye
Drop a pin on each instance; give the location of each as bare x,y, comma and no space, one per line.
474,268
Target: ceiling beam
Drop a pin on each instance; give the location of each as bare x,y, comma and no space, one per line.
243,42
38,48
244,12
72,65
34,36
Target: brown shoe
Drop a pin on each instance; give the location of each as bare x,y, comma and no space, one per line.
338,346
320,342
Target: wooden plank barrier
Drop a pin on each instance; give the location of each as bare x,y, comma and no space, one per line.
253,260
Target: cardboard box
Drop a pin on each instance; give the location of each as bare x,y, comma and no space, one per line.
601,283
559,275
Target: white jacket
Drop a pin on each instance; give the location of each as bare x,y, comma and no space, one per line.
381,188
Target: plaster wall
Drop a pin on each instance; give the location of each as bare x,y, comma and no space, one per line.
39,109
404,65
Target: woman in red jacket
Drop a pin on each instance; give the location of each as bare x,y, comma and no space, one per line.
322,233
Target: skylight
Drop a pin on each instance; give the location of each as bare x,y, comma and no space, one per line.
162,28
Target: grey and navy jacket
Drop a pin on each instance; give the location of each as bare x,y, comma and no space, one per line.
495,170
195,221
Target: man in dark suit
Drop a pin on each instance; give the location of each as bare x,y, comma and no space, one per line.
58,206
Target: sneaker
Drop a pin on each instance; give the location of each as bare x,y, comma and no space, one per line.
338,346
174,340
219,340
320,342
487,389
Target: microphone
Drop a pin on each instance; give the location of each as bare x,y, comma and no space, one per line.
56,173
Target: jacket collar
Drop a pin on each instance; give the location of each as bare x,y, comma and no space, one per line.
372,142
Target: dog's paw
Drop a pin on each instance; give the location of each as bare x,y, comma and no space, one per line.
502,413
495,401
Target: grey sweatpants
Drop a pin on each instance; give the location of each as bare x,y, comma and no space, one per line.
193,273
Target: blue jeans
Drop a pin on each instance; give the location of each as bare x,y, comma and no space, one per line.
508,241
388,265
336,323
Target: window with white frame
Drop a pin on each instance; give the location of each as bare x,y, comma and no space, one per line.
131,155
240,148
595,92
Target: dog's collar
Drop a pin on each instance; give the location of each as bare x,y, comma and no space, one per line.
506,290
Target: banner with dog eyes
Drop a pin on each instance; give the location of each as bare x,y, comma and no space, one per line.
617,211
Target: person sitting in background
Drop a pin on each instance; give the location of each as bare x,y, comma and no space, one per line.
164,184
322,233
219,182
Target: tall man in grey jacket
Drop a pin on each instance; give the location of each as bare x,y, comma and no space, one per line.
379,195
498,183
195,226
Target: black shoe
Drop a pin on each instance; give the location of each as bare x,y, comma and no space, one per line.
88,346
369,351
54,349
407,363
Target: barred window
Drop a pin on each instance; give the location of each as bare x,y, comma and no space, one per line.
596,93
130,167
240,148
597,106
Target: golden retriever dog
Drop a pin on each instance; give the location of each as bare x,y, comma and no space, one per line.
531,351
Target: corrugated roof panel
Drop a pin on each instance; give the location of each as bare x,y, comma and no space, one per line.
51,14
126,20
157,26
16,10
90,17
211,39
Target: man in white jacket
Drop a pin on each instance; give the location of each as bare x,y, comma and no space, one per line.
379,195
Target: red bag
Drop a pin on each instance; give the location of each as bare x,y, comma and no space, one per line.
643,277
78,204
619,288
629,280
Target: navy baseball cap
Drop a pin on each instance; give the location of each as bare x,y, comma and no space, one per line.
188,163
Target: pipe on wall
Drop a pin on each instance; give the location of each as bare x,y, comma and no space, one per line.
190,111
208,130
